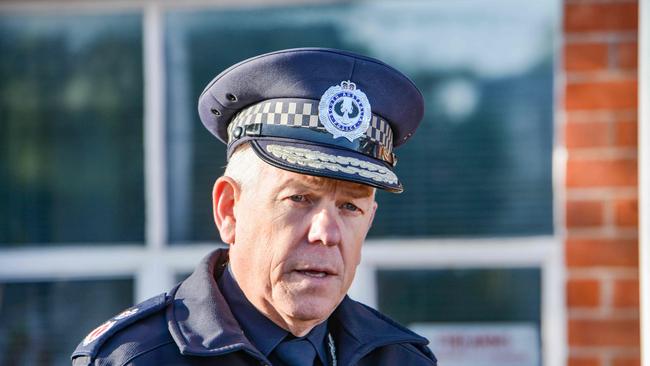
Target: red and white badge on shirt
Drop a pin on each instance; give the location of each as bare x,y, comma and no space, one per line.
98,332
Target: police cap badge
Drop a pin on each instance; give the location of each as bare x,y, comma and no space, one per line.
316,111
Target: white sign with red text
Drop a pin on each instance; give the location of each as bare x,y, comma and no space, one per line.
482,344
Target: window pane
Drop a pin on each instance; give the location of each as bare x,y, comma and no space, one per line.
464,303
41,323
71,131
460,295
480,163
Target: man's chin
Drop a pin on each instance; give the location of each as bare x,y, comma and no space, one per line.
315,309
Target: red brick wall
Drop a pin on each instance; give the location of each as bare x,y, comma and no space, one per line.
600,134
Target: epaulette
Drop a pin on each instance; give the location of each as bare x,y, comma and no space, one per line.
89,346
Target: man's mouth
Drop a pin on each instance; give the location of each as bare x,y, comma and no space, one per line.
315,274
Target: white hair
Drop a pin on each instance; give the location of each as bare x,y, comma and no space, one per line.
244,166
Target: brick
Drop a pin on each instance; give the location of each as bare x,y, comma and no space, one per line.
584,213
589,134
627,212
580,252
582,361
585,17
626,133
626,361
620,94
601,173
585,56
627,55
583,293
626,293
598,332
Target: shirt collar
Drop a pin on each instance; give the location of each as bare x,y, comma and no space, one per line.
259,329
357,329
317,337
198,317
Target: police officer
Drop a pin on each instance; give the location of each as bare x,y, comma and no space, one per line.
310,136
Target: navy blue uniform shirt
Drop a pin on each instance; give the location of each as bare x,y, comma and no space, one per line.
194,325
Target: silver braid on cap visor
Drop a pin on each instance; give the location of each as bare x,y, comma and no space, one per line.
298,119
345,164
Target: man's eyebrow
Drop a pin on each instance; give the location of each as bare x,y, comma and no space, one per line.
313,184
353,190
362,192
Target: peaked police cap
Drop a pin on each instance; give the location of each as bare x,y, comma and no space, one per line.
316,111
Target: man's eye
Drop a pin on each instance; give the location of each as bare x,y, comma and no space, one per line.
298,198
350,207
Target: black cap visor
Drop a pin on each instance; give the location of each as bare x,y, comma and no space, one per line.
326,161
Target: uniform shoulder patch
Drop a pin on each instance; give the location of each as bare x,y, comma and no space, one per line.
91,344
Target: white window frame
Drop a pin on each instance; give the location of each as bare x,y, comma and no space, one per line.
155,265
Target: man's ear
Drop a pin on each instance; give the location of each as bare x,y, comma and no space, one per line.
224,196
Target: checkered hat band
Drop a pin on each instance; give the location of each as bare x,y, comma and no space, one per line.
303,113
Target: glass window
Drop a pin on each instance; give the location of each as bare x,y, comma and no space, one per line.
71,106
455,295
462,306
41,323
480,163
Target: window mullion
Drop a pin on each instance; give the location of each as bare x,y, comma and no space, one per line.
154,129
154,275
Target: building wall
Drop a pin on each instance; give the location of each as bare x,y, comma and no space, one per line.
600,135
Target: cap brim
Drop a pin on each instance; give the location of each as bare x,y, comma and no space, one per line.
326,161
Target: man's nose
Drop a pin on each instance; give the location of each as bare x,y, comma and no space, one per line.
325,228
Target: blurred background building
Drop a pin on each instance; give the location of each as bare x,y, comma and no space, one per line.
514,244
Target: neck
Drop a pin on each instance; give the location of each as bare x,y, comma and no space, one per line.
297,327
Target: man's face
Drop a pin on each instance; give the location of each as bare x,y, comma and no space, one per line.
298,242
